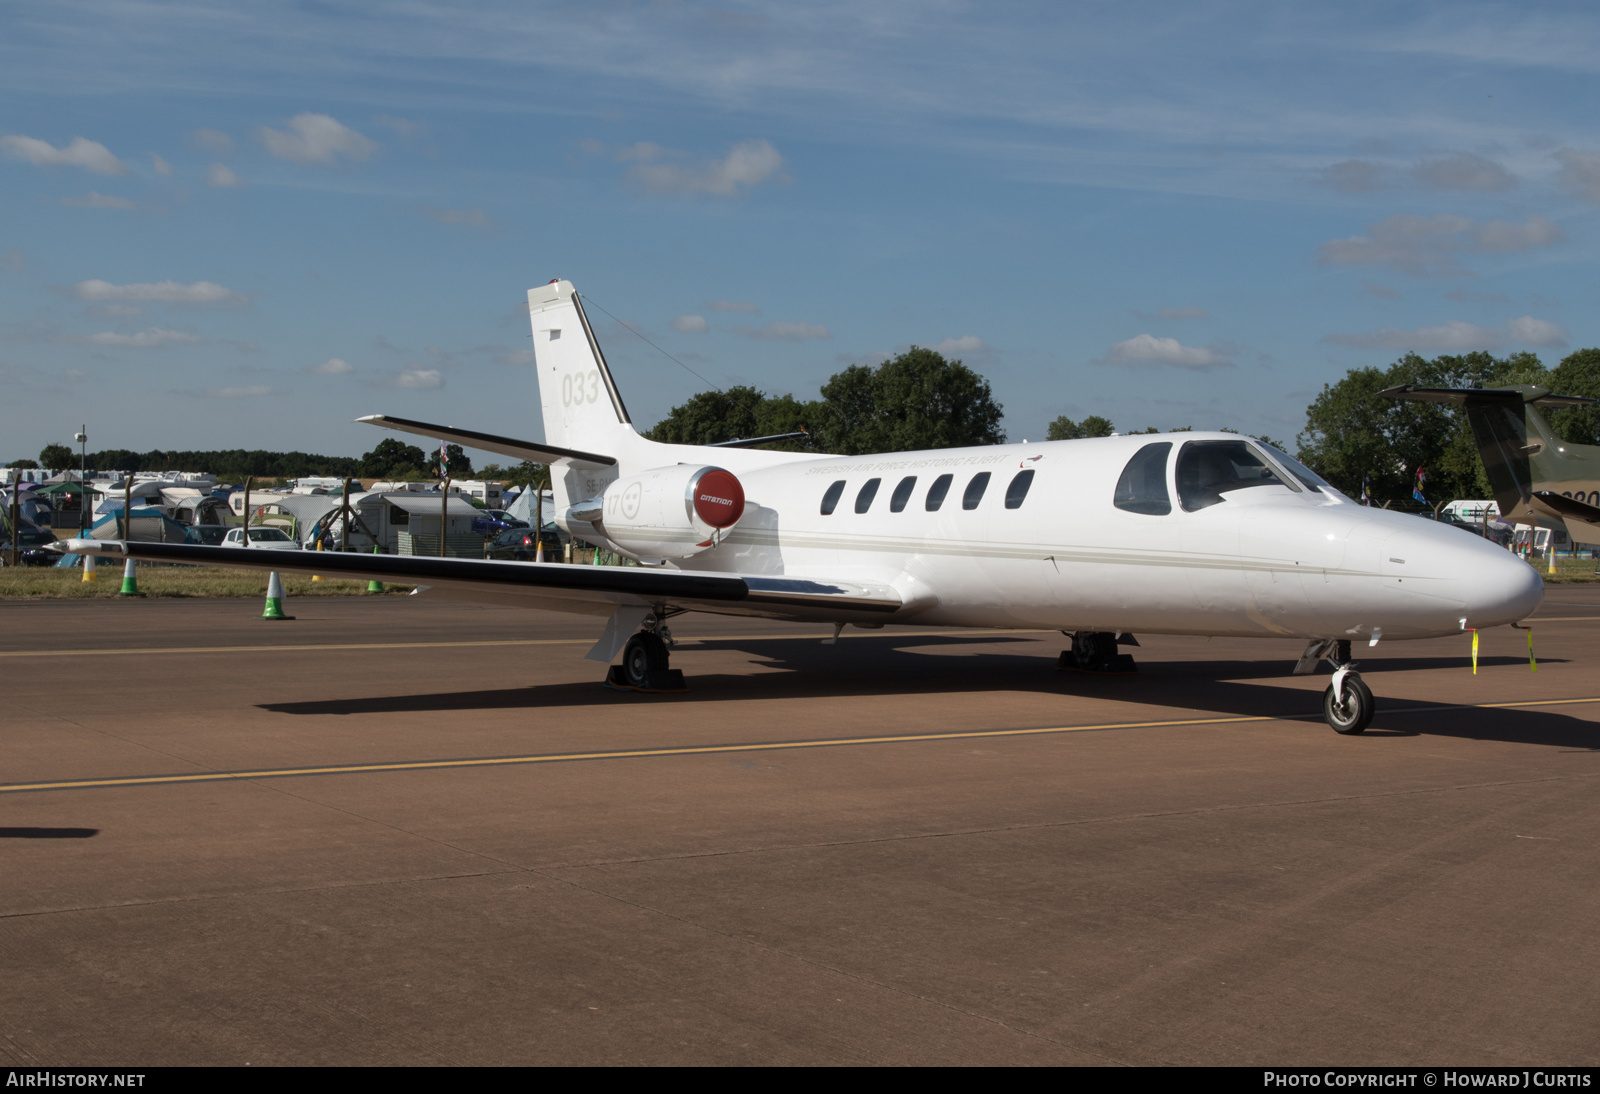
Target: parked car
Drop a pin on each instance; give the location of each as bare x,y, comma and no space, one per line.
268,539
210,535
519,544
31,549
491,522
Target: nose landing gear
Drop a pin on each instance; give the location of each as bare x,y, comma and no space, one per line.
1347,705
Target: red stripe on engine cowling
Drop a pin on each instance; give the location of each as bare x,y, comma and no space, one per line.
719,499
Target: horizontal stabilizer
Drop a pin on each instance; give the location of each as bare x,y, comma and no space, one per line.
488,442
552,585
1465,396
1581,519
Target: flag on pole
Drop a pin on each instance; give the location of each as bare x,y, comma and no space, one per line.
1416,491
444,460
1366,493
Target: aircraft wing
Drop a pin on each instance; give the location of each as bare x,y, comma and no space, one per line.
590,590
1582,520
489,442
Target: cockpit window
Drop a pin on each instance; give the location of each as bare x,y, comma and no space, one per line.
1143,485
1300,471
1209,469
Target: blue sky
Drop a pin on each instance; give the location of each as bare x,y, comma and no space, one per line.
245,225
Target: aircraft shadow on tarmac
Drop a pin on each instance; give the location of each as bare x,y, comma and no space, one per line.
884,665
48,833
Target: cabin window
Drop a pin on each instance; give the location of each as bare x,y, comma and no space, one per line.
975,489
1018,488
902,494
869,490
936,492
398,516
1209,469
1143,485
830,500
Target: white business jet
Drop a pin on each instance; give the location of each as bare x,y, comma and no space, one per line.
1190,533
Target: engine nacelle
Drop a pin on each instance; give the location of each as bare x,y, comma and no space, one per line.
670,512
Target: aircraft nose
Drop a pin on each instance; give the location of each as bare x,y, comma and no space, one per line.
1495,585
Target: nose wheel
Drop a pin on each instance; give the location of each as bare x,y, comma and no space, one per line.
1347,705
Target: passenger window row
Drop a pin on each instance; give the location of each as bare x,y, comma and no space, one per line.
1015,492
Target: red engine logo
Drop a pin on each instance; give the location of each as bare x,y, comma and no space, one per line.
719,499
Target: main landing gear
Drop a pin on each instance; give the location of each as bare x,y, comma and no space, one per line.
1347,705
1096,651
644,660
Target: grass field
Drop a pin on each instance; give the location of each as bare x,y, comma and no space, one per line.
40,583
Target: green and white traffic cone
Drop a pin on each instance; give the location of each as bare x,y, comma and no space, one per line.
130,582
375,586
274,598
88,568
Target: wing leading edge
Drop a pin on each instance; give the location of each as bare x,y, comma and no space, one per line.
489,442
558,586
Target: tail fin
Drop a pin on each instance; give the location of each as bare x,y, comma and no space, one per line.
1521,453
582,407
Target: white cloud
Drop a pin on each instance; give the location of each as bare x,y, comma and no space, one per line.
1499,236
747,164
87,154
333,366
1353,176
1462,296
315,138
252,392
690,324
1148,351
1423,246
1382,291
93,200
419,378
1457,335
790,332
969,344
733,305
467,218
1537,332
221,175
12,260
213,140
1580,173
152,338
1464,172
162,166
164,292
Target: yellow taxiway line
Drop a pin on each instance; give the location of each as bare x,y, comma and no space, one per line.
105,652
309,647
704,750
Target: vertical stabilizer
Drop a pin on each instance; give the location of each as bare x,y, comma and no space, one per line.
582,407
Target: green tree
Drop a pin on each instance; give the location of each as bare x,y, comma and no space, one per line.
1065,429
459,463
1351,434
57,456
23,465
914,401
1577,374
393,459
712,417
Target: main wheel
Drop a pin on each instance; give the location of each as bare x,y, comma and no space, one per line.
1354,713
644,654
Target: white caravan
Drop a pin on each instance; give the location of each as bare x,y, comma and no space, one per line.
1190,533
